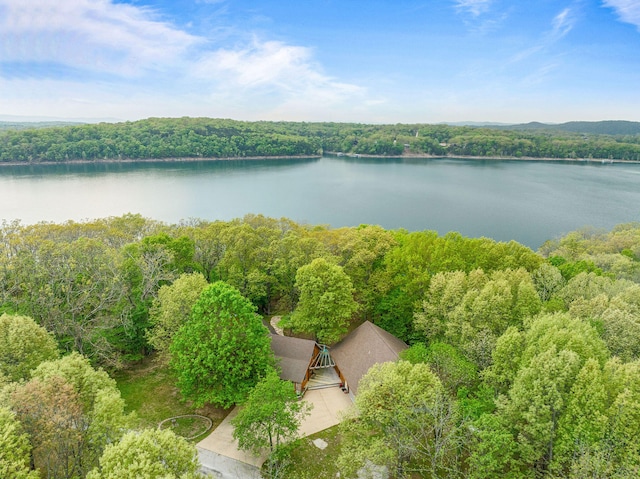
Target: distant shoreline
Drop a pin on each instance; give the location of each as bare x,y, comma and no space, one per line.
157,160
304,157
470,157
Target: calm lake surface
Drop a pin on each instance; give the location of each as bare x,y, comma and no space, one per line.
529,202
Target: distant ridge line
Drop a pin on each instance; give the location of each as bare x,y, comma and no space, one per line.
605,127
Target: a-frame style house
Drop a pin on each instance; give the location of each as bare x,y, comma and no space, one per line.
302,359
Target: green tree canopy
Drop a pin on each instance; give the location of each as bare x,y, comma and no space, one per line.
222,352
172,308
553,403
14,448
270,416
148,454
71,412
326,301
23,346
402,420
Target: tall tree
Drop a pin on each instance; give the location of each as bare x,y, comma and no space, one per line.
71,412
326,301
14,448
23,346
52,415
172,308
584,424
148,454
538,399
495,451
72,288
402,420
548,280
222,352
550,407
270,416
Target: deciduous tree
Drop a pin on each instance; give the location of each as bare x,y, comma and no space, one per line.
404,421
71,412
14,448
172,308
148,454
326,301
270,416
52,415
23,346
222,352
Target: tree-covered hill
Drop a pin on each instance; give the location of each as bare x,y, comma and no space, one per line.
608,127
158,138
30,125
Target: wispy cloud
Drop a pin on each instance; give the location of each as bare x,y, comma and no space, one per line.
627,10
479,17
118,43
539,75
561,25
270,63
474,7
89,34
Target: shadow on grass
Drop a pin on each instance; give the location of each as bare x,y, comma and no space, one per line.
149,390
309,462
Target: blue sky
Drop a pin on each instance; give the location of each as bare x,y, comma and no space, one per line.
321,60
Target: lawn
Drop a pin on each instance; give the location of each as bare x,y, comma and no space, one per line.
309,462
148,389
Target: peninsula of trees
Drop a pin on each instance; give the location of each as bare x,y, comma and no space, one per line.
164,138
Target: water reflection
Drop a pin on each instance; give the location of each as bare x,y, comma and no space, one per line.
526,201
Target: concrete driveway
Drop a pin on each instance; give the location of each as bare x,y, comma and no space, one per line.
223,467
221,441
328,404
220,450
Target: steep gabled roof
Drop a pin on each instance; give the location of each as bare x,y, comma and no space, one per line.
293,355
365,346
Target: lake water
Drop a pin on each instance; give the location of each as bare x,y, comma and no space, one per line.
529,202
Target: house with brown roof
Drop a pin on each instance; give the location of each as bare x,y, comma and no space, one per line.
365,346
300,360
294,357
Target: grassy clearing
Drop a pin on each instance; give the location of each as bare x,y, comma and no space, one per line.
148,389
187,426
309,462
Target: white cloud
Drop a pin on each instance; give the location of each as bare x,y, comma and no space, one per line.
273,65
562,23
136,64
627,10
95,35
474,7
478,17
540,75
258,64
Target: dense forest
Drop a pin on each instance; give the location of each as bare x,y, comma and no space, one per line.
522,364
607,127
158,138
